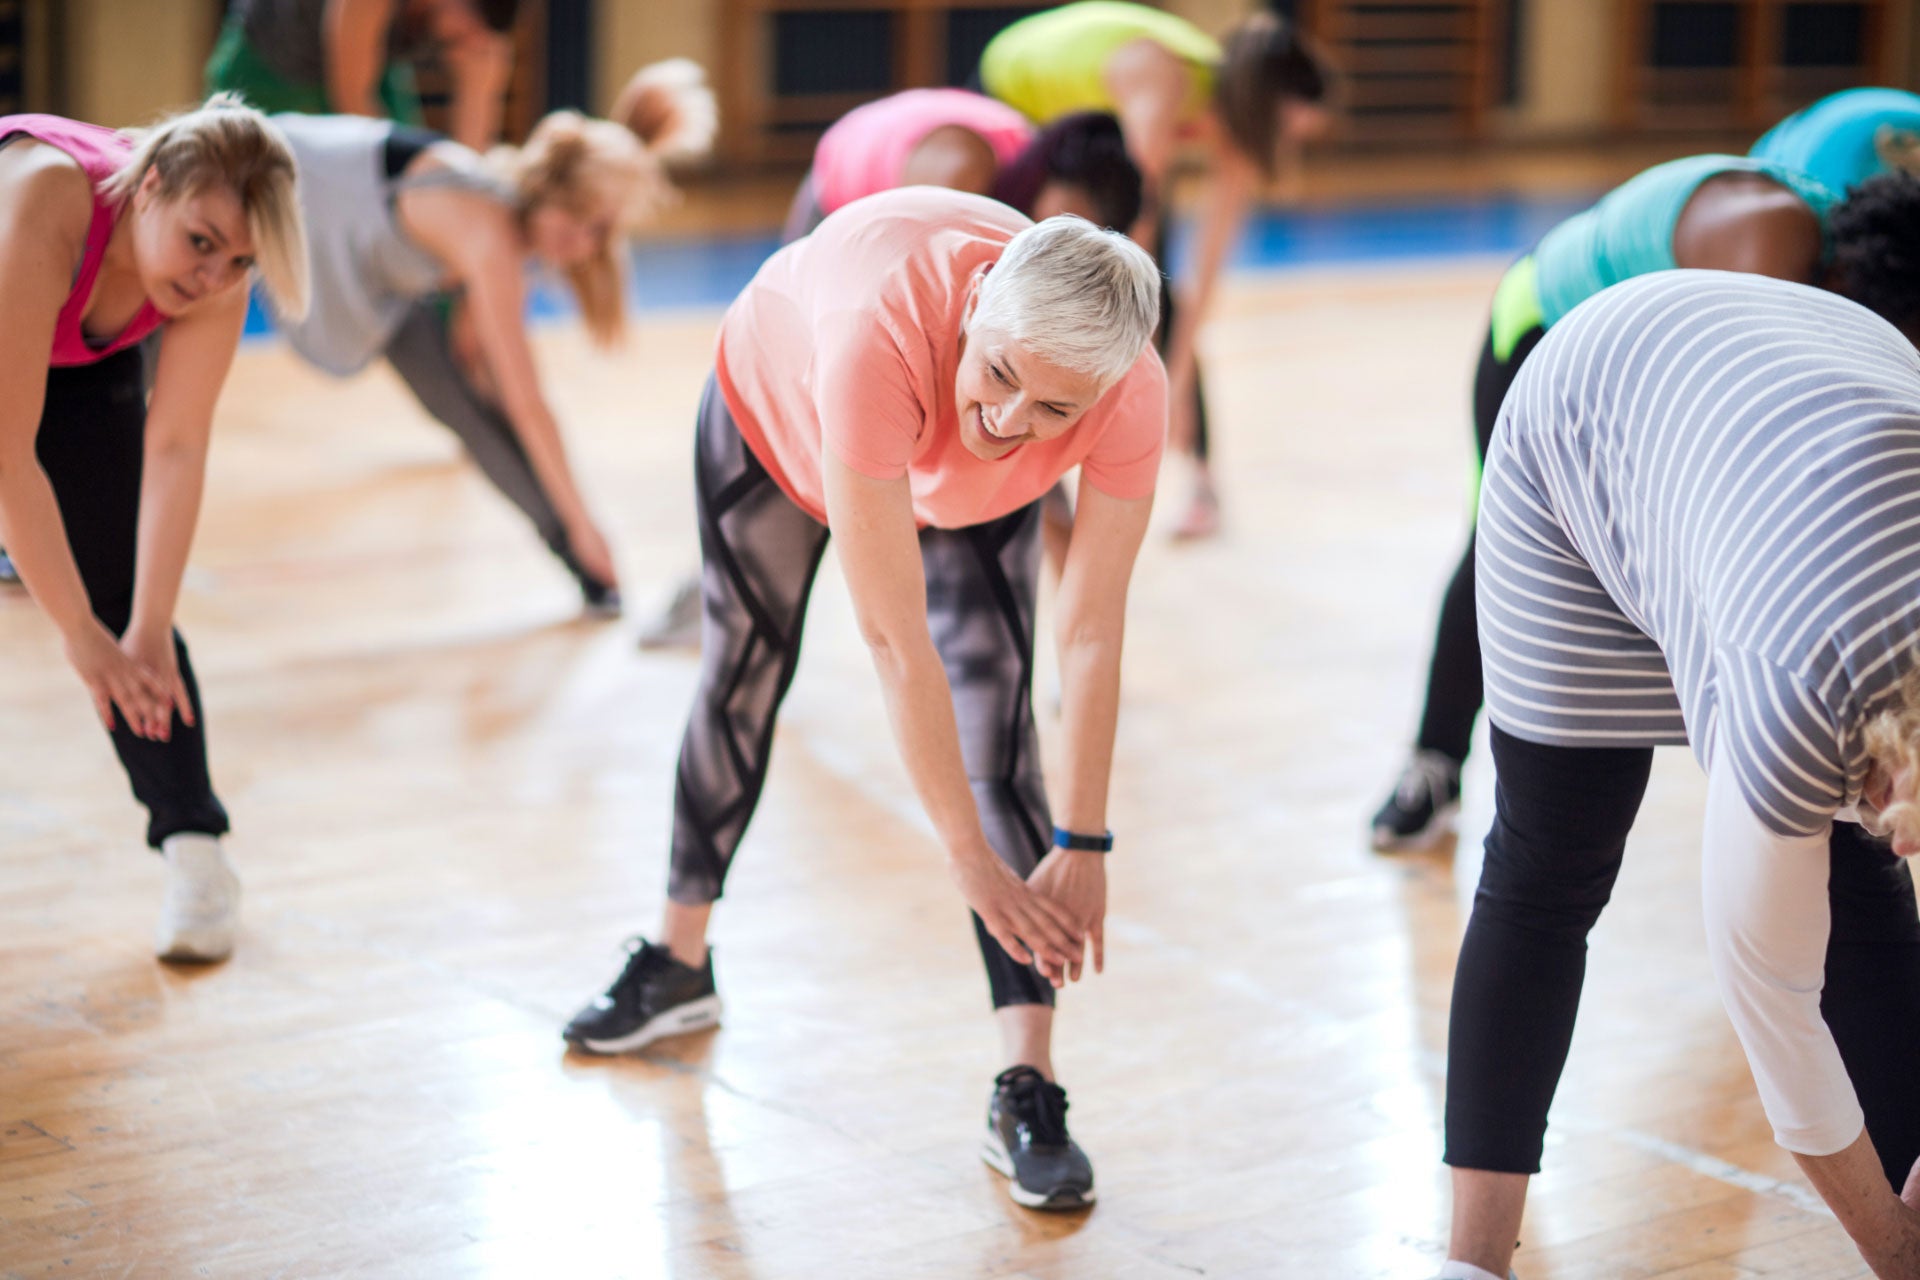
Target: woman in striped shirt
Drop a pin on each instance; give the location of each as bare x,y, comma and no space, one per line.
1697,528
1718,212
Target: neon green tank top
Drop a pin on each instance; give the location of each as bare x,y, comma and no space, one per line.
1050,64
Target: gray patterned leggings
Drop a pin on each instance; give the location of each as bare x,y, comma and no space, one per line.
759,554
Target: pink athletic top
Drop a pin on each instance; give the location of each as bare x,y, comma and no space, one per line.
100,152
866,150
850,340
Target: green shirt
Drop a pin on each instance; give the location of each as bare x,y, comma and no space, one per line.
1054,63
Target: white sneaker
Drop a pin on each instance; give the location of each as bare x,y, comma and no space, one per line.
202,906
678,625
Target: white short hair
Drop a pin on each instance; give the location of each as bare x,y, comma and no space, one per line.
1075,296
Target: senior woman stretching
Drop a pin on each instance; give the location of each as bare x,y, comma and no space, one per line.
1697,527
911,379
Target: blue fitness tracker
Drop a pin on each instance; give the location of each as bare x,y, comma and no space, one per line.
1065,839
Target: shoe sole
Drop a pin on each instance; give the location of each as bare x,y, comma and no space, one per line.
1385,841
188,951
680,1020
994,1153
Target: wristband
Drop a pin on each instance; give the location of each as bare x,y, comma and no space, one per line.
1065,839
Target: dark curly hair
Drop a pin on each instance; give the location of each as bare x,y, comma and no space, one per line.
1875,234
1084,150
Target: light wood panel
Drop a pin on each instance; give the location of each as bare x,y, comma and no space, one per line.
451,798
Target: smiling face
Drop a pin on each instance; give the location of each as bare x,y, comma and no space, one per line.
189,249
1007,397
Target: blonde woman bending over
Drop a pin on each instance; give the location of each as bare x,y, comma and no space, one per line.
397,216
106,238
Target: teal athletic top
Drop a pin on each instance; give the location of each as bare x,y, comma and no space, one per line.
1834,139
1630,231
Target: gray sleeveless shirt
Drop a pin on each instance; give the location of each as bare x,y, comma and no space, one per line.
366,272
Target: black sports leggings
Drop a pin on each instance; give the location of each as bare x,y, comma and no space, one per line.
759,554
91,445
1454,688
1561,820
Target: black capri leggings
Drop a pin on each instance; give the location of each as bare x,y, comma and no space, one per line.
91,445
759,554
1561,820
1454,688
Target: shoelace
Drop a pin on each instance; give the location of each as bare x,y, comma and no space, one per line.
1428,773
643,958
1040,1104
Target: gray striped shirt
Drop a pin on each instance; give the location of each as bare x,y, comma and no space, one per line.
1701,522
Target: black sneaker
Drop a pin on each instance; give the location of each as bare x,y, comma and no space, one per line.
601,599
655,996
1423,800
1027,1142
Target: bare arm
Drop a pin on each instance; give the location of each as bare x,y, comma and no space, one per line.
1089,628
477,240
355,35
479,67
873,526
1228,199
1149,87
45,206
196,352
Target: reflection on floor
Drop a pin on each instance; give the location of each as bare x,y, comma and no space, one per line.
450,803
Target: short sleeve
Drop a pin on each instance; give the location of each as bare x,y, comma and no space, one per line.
1125,462
863,389
1783,744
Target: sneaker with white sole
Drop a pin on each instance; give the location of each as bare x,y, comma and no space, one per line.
1424,800
678,625
201,909
655,996
1027,1143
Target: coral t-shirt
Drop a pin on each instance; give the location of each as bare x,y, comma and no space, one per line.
849,340
866,150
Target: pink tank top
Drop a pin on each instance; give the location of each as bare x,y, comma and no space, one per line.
100,152
866,150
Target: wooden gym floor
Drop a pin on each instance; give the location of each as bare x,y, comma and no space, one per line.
450,800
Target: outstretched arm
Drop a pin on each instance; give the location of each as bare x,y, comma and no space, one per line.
1223,214
195,353
478,241
43,217
1089,627
873,526
354,33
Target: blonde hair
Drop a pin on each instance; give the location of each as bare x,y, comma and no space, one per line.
1892,739
588,167
1075,296
225,143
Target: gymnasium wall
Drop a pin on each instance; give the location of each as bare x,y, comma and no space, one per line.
126,59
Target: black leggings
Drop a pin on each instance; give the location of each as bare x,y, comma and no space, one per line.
91,446
759,554
1454,688
1561,820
